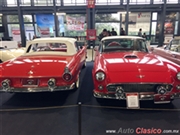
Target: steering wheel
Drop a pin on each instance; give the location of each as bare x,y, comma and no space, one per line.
114,44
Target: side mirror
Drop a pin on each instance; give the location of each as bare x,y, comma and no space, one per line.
165,46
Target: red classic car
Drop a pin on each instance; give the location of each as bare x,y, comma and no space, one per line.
123,66
170,51
48,64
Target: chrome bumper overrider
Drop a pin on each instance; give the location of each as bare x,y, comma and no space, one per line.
39,89
142,96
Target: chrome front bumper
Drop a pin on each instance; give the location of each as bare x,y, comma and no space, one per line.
38,89
142,97
113,96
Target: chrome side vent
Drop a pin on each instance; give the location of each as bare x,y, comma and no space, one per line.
130,57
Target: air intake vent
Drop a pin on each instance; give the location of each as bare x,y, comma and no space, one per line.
130,57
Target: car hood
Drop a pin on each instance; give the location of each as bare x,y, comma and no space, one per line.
135,67
39,66
133,61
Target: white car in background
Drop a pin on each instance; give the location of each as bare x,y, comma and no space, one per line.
10,53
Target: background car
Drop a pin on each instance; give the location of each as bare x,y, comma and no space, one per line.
48,64
170,51
123,65
10,53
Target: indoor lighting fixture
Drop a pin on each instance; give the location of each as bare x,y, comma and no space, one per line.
124,12
60,13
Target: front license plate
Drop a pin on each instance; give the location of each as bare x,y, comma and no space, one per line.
30,82
132,100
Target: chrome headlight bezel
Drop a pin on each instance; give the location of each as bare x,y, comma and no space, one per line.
7,82
51,82
178,76
100,76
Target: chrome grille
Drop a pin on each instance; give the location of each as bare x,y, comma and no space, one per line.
137,87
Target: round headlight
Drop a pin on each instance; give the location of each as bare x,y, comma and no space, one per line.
178,76
161,90
100,76
5,84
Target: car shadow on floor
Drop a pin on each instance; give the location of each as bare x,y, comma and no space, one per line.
36,99
144,105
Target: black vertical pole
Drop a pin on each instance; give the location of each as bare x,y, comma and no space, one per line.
5,24
79,118
121,2
62,2
127,17
91,25
163,17
120,25
55,19
151,1
33,20
178,31
150,28
21,23
32,2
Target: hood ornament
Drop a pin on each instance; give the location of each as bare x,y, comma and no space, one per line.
30,72
140,76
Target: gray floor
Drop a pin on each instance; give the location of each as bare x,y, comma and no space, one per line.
52,113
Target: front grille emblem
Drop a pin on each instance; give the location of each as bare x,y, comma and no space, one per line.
30,72
140,76
30,82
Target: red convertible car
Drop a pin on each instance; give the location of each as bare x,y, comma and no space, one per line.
123,66
48,64
170,51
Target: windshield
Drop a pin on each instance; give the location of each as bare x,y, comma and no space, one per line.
39,47
175,45
124,45
176,42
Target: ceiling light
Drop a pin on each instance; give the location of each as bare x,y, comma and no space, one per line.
122,12
60,13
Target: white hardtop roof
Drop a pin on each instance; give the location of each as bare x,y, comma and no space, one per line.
121,37
71,49
54,39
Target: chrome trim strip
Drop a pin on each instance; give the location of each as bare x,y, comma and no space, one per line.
162,102
138,83
39,89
